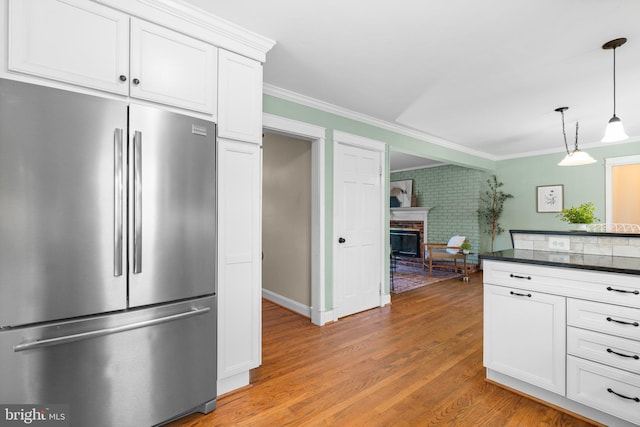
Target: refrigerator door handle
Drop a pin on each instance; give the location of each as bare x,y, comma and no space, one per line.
137,207
108,331
117,202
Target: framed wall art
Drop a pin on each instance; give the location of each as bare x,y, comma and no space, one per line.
400,193
550,198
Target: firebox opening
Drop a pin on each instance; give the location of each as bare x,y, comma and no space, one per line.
405,242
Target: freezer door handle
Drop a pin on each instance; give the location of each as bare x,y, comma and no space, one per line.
118,176
137,206
108,331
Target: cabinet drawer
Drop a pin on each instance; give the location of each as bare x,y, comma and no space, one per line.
607,318
608,389
621,289
613,351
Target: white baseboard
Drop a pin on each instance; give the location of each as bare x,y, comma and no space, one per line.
234,382
288,303
385,300
322,317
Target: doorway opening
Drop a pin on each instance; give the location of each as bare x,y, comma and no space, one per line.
622,197
286,221
313,304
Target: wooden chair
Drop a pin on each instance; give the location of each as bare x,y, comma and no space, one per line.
445,251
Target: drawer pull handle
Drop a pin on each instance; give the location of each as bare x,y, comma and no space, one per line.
515,276
520,295
635,356
635,399
622,322
636,292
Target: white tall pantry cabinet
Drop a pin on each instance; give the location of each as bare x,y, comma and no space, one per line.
165,53
239,219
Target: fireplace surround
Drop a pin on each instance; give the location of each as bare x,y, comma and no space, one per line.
408,232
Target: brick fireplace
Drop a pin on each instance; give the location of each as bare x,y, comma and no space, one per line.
414,221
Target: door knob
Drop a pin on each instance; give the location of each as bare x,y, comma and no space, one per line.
341,240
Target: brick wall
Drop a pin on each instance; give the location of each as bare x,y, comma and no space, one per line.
453,194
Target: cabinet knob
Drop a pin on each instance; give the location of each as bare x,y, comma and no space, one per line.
123,78
136,81
341,240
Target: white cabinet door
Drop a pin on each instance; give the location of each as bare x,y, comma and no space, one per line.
240,97
72,41
239,257
524,336
172,68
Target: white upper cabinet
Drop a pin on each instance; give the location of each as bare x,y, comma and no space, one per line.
172,68
90,45
240,97
82,43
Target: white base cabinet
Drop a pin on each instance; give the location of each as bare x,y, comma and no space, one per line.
524,335
529,310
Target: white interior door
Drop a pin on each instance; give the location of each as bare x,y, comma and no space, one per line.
358,228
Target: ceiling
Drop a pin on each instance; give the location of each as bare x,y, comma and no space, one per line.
484,76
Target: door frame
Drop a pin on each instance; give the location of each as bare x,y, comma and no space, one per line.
609,163
316,136
345,138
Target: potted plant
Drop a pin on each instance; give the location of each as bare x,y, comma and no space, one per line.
491,207
579,215
466,247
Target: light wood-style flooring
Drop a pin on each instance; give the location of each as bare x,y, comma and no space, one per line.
416,362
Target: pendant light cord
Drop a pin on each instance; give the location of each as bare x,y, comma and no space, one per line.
614,82
564,133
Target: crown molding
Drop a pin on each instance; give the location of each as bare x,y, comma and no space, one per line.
288,95
199,23
414,168
561,150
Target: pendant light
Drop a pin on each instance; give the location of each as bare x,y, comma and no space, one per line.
615,131
575,157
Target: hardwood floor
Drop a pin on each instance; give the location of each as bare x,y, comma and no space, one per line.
415,362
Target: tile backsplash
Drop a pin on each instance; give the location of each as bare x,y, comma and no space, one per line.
579,244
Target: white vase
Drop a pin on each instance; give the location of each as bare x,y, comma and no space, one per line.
579,227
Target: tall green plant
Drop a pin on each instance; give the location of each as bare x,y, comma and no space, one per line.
491,207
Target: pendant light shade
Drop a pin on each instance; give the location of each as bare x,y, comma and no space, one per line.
614,131
575,157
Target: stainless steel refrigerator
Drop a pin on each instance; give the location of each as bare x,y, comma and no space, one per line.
107,257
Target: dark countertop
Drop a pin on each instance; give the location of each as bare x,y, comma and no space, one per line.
610,264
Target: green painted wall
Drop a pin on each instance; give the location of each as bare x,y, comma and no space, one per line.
581,184
291,110
452,192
